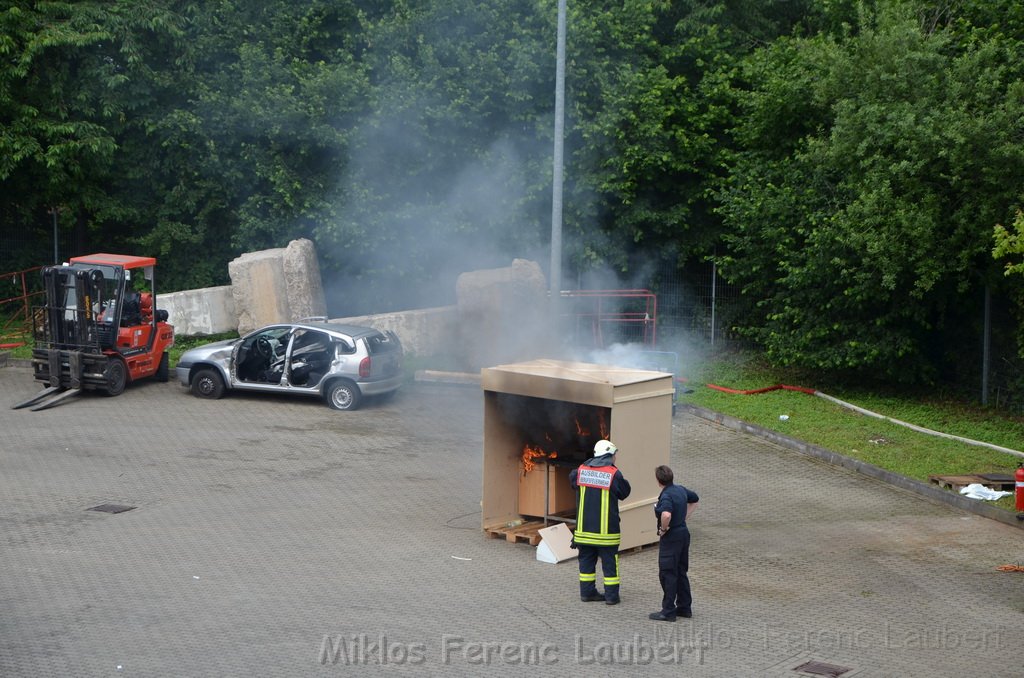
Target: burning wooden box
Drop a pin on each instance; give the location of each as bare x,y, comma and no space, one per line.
541,420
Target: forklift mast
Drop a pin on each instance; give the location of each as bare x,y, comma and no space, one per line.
82,312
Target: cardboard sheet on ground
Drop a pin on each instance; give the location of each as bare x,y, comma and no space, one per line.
554,544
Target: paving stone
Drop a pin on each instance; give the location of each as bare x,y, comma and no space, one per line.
277,537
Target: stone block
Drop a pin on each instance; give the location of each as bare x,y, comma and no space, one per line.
276,285
303,286
209,310
503,314
423,332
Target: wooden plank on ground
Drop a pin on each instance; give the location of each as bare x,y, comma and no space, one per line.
954,482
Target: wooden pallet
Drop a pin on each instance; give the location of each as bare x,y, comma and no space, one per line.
528,532
995,481
999,481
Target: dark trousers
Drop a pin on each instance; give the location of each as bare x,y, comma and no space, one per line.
609,566
673,563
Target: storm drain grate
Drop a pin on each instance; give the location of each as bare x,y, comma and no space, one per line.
111,508
822,669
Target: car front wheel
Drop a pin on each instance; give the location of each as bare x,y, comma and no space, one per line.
207,384
343,395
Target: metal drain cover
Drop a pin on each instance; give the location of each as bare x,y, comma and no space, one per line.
111,508
822,669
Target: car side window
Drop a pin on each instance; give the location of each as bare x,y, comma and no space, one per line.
344,347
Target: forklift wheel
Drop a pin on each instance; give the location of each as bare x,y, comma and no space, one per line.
117,377
163,370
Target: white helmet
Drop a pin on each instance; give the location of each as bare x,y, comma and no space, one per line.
604,447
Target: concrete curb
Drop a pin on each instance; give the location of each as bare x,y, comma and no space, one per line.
7,361
458,378
929,491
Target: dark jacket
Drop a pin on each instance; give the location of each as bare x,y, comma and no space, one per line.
675,498
601,487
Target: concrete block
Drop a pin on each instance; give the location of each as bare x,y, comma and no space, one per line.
276,285
503,314
423,332
258,289
303,285
209,310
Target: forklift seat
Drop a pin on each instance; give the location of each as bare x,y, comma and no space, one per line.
146,306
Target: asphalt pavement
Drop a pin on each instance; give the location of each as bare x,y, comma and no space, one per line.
270,536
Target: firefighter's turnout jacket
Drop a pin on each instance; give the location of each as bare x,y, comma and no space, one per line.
601,487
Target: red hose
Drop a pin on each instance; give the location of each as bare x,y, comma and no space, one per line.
15,345
777,387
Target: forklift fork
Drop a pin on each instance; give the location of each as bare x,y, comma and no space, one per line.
60,393
42,400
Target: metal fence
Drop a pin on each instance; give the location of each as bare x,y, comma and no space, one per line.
18,291
696,309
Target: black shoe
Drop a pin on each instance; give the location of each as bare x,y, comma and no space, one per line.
612,601
686,614
661,616
592,598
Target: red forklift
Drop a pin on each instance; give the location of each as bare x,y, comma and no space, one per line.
99,329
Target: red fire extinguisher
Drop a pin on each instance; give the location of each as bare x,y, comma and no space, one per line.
1019,478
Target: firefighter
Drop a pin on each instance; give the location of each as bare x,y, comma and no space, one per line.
675,504
601,487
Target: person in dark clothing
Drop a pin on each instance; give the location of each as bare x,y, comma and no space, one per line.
601,487
675,504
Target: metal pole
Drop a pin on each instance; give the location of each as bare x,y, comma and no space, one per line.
986,344
556,188
714,276
56,255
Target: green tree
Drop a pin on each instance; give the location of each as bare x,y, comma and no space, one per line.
251,147
1009,245
648,85
69,85
874,164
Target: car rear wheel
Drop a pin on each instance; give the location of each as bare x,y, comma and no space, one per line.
207,383
343,395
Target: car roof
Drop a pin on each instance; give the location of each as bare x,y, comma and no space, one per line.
341,328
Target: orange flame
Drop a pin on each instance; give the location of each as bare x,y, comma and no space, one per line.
530,453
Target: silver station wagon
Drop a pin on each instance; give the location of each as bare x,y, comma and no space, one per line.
339,363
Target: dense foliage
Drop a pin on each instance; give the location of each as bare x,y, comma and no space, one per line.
849,164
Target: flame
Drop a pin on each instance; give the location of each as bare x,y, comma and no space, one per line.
602,426
531,452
